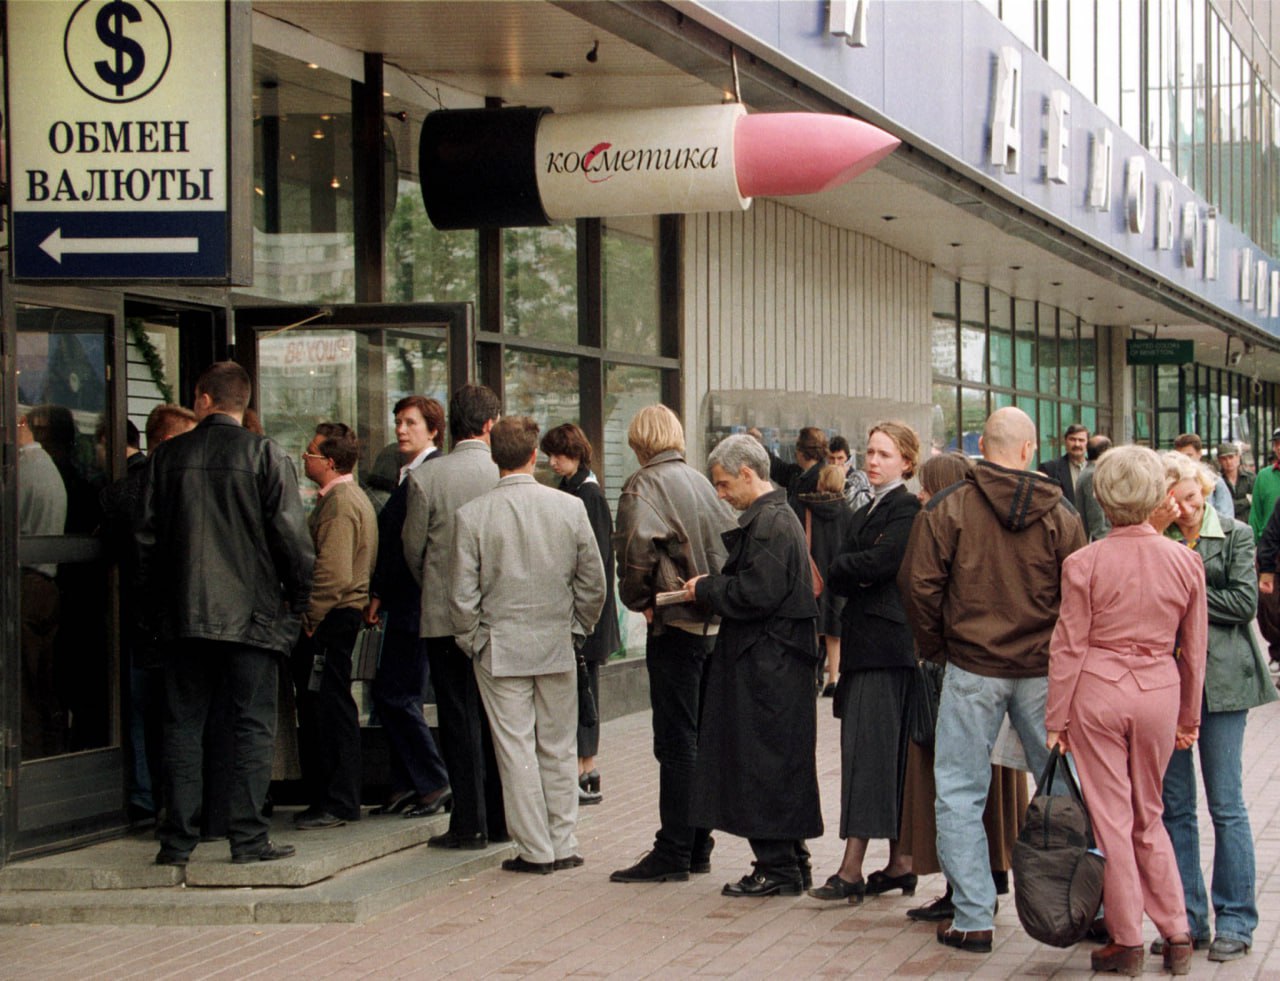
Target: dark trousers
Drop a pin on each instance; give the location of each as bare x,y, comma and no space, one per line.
589,736
195,673
466,743
1269,621
677,663
782,858
416,763
328,721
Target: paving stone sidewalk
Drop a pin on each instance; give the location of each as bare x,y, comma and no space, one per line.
577,924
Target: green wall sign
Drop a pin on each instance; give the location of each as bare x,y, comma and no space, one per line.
1159,351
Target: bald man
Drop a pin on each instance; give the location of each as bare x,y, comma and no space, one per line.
980,583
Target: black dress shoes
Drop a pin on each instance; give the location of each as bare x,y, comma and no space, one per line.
396,803
519,864
270,852
432,803
572,862
940,909
838,888
761,884
651,868
879,883
176,859
474,841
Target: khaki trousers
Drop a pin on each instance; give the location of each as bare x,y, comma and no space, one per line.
534,720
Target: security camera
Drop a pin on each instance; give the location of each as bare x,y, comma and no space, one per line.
1234,357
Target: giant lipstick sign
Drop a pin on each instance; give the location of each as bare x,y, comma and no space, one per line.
512,167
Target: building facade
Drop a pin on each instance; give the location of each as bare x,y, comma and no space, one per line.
1073,176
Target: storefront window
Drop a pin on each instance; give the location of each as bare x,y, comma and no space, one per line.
944,327
540,283
1047,350
544,387
973,416
1001,339
65,656
1024,344
973,332
303,237
421,262
630,285
945,422
627,390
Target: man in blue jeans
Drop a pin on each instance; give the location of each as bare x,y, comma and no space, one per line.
980,582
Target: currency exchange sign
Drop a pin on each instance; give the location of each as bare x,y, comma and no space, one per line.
119,145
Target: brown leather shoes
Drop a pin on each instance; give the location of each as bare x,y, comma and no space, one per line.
1177,956
1120,959
974,941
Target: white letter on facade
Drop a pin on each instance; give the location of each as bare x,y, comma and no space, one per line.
1100,171
1006,139
1135,195
1164,215
1058,167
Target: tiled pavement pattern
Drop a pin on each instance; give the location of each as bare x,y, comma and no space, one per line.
576,923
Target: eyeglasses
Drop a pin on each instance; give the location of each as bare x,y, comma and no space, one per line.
312,456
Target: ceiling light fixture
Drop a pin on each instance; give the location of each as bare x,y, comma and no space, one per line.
558,75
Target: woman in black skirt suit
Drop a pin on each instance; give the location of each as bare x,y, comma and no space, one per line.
877,659
569,454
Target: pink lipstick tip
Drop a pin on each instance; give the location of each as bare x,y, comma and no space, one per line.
777,154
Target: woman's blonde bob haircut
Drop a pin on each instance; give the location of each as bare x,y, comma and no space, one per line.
1129,482
1179,467
653,430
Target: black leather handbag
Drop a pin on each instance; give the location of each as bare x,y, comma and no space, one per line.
588,714
922,706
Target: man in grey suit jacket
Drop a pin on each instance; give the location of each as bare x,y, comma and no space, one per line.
527,588
435,494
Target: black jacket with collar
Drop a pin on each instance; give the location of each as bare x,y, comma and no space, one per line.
876,633
1060,470
223,548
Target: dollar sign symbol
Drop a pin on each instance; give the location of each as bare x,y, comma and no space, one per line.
110,24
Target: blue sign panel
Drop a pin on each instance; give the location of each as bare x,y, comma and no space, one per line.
72,245
119,162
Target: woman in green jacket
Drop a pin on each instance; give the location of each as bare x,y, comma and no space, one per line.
1236,680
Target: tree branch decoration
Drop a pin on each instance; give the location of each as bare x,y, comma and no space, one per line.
149,355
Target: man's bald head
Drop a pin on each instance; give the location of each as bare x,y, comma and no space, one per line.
1009,438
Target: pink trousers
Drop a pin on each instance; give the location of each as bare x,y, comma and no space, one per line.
1121,738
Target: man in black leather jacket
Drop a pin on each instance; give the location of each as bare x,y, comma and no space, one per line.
225,560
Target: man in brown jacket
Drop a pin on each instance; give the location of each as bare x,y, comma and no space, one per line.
345,531
980,582
669,527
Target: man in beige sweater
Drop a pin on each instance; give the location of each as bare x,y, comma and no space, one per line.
345,531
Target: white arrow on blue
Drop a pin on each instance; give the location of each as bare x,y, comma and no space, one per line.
55,246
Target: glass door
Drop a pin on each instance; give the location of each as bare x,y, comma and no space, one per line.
351,364
66,357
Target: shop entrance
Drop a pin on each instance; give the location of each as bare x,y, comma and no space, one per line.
67,354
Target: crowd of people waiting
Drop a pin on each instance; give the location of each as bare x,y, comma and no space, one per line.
1016,584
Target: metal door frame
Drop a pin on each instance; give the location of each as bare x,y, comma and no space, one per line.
58,784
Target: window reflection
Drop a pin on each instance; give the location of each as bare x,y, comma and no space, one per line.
630,285
540,282
66,658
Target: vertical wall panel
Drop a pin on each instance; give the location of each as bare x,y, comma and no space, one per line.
793,309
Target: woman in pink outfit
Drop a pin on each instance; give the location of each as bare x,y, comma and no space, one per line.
1126,670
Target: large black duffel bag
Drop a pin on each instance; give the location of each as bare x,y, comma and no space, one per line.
1057,870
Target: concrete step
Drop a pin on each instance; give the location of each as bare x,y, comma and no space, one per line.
343,875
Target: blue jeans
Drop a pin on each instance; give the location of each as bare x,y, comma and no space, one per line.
1235,909
969,718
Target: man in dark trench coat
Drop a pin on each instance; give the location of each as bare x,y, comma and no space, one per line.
756,776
